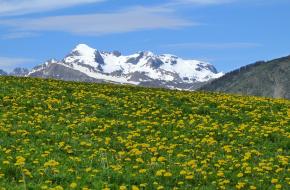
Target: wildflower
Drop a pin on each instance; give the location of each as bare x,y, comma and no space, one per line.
143,184
240,175
160,187
51,163
88,169
189,177
180,183
167,174
122,187
44,187
182,172
58,187
278,186
159,172
73,185
161,159
240,185
220,174
6,162
141,171
140,160
20,161
134,187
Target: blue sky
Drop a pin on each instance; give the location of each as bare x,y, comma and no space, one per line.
226,33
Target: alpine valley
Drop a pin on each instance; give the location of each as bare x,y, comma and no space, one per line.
144,68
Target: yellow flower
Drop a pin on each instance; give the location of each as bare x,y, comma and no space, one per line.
141,171
122,187
161,159
253,187
274,180
143,184
220,174
51,163
6,162
240,175
240,185
167,174
73,185
160,187
121,153
140,160
278,186
134,187
44,187
180,183
153,159
20,161
182,172
189,177
159,172
58,187
227,148
88,169
27,172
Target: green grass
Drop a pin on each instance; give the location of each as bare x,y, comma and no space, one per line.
65,135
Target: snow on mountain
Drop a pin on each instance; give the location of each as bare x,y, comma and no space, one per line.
142,68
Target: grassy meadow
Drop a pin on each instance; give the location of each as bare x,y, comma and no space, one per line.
66,135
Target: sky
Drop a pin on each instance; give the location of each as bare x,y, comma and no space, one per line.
226,33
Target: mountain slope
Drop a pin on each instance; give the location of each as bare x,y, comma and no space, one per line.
58,71
269,79
2,73
19,72
143,68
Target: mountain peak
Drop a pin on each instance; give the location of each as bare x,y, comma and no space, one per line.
84,50
146,53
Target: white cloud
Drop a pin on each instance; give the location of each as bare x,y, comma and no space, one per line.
9,63
17,35
134,19
233,45
203,2
20,7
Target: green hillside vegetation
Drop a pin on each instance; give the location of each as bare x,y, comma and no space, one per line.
67,135
268,79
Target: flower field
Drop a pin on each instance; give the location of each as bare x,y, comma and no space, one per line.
67,135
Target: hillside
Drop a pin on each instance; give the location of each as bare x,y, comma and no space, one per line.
269,79
68,135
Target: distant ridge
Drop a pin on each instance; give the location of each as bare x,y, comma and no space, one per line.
269,79
2,73
143,68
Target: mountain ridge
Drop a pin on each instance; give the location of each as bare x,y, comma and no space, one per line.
263,78
142,68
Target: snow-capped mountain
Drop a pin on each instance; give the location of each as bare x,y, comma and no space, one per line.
143,68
